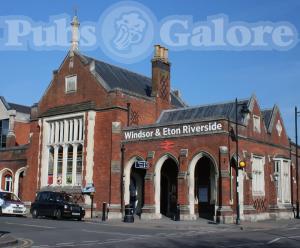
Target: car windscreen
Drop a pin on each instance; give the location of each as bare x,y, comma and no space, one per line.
65,198
8,196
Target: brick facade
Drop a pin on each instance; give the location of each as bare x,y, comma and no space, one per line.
109,112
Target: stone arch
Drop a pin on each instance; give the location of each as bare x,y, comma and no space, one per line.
191,179
16,180
2,173
157,179
126,177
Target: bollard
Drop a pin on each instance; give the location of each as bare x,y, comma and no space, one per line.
104,211
128,214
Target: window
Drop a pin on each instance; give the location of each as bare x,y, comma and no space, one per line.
79,165
8,183
258,176
256,123
4,124
59,165
283,180
50,165
71,84
70,164
67,136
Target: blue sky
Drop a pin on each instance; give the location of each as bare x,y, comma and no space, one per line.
202,76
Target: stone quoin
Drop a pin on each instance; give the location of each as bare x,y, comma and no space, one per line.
96,120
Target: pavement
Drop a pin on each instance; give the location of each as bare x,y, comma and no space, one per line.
261,233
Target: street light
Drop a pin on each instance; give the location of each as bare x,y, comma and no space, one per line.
297,172
241,165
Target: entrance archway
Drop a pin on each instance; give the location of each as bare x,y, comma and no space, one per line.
136,189
203,175
168,188
18,183
165,184
134,179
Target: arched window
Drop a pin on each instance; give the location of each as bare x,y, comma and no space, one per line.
79,166
8,183
70,164
59,165
50,165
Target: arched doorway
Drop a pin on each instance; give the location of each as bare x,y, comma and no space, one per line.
134,179
205,188
203,179
18,182
136,189
168,188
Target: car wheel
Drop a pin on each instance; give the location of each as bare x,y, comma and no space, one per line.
35,214
58,214
79,219
0,211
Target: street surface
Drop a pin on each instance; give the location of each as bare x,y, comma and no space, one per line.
46,233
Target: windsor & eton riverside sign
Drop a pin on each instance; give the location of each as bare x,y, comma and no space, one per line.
173,131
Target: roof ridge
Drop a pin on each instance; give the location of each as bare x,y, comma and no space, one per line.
121,68
21,105
205,105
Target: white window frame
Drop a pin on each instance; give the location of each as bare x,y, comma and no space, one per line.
51,137
67,81
258,176
282,172
256,124
9,180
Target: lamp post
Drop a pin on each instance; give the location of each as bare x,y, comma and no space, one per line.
244,110
297,164
238,221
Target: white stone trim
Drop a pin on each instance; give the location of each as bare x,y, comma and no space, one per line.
2,172
52,137
16,180
126,179
191,180
157,178
90,147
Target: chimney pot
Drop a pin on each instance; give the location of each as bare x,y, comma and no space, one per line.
156,51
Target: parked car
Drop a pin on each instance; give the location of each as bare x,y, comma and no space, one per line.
56,205
11,204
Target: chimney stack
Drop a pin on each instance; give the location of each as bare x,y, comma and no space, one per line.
161,78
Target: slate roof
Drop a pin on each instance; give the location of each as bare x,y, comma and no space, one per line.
19,108
267,116
199,113
119,78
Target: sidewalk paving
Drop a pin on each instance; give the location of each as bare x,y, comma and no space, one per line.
200,224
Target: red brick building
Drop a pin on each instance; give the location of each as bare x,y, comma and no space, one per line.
95,121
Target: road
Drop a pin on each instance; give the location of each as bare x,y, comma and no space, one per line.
46,233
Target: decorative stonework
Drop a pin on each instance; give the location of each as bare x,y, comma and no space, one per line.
151,154
223,149
182,175
116,127
134,117
184,153
115,166
279,128
149,176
